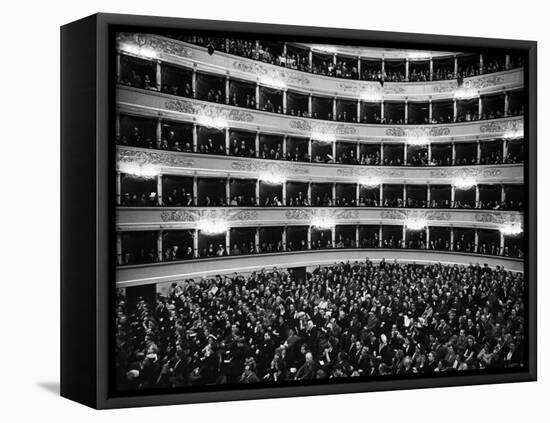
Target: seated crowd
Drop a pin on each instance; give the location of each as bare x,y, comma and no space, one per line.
356,319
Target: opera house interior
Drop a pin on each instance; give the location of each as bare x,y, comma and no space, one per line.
288,211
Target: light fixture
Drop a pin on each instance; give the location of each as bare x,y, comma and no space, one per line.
419,55
212,227
322,222
464,183
416,224
272,178
370,181
465,93
511,229
211,122
418,141
323,137
272,82
514,134
371,97
141,170
139,51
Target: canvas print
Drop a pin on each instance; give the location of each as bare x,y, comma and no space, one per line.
293,212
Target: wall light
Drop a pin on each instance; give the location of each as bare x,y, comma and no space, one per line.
514,134
323,137
371,97
465,93
416,224
322,222
370,182
464,183
511,229
272,82
139,51
212,122
419,141
141,170
272,178
212,227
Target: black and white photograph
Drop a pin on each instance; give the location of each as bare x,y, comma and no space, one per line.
291,212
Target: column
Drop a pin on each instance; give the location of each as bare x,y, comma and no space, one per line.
502,193
501,250
309,106
478,152
504,150
227,142
357,194
257,240
117,67
257,144
380,236
227,94
479,107
227,241
257,52
404,193
477,196
119,248
382,110
195,191
507,62
428,195
404,236
334,108
334,151
334,59
430,111
429,153
117,125
196,243
159,190
359,68
480,64
309,237
283,237
195,143
358,151
227,45
158,131
431,69
310,58
405,153
427,237
381,153
506,104
357,236
285,51
407,69
383,67
452,195
284,145
358,111
333,236
333,193
406,112
452,239
381,194
453,153
194,83
284,100
227,191
476,240
455,67
257,95
283,199
309,193
455,111
257,192
159,246
309,149
159,77
118,188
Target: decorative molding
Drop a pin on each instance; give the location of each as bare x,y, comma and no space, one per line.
468,172
196,215
260,70
502,126
163,45
178,216
479,83
499,218
418,131
305,214
415,214
210,111
393,214
299,214
369,172
152,157
322,128
261,166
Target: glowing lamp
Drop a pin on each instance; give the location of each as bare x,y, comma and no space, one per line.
371,97
464,183
418,141
511,229
465,93
272,178
212,122
514,134
212,227
416,224
323,137
141,170
322,223
370,182
272,82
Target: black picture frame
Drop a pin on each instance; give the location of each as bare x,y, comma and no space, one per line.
87,214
